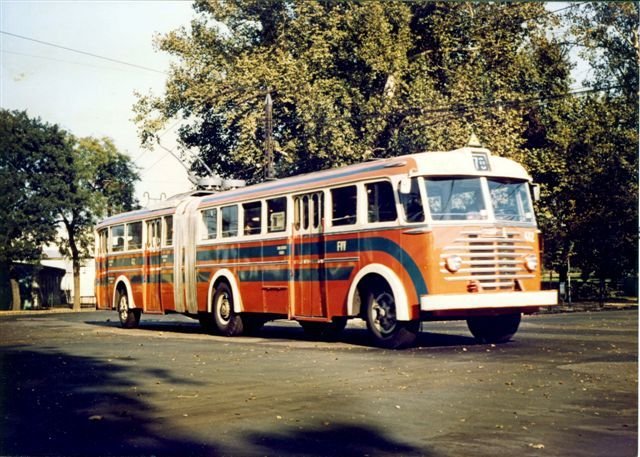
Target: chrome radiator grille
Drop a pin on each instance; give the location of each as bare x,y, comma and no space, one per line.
494,258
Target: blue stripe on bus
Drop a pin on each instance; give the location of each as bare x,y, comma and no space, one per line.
301,275
353,245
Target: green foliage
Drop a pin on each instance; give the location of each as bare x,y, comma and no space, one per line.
48,178
351,80
34,164
355,80
100,183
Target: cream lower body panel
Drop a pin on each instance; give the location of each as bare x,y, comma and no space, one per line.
445,302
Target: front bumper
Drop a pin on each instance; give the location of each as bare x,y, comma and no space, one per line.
445,302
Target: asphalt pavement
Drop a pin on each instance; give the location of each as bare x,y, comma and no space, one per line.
76,384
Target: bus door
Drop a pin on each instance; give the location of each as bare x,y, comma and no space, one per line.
309,293
102,264
153,267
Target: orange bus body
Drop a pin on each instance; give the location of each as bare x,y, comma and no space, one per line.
292,249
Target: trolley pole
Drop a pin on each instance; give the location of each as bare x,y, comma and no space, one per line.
268,137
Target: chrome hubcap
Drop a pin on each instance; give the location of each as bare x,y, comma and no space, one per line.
383,311
224,307
123,308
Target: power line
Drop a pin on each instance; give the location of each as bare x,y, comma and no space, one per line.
23,54
77,51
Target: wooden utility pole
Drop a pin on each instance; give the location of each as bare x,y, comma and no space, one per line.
268,138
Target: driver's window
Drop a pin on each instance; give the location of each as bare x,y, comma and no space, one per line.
412,203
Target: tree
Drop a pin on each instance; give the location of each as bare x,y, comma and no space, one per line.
352,80
34,164
101,183
606,141
50,179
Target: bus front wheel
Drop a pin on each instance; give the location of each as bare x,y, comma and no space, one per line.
494,329
227,321
382,323
129,318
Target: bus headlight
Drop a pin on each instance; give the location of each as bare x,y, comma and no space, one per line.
453,263
531,262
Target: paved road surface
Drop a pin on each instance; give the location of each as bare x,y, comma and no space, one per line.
77,384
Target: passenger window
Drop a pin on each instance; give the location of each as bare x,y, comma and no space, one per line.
210,224
381,205
277,213
252,217
317,209
344,205
304,214
153,234
412,203
168,231
117,238
134,235
229,221
102,241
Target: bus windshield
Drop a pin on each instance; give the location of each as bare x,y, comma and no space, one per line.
510,200
455,199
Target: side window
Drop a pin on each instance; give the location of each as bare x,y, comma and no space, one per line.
117,238
344,205
412,203
153,234
317,215
134,235
103,239
381,205
229,221
277,214
210,224
168,231
252,218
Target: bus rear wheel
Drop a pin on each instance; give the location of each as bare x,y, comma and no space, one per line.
494,329
386,330
129,318
227,321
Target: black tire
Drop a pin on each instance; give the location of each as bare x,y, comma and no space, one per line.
494,329
129,318
325,330
207,322
386,330
227,322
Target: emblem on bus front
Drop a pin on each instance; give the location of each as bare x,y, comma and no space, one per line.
481,161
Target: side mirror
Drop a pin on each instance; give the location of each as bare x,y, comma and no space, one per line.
535,191
405,185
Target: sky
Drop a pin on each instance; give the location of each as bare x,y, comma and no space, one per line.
85,95
89,96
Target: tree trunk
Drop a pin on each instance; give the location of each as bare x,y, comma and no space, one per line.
76,284
15,294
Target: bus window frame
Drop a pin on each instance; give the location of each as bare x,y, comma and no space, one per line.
141,222
329,208
396,202
121,237
203,235
253,231
165,232
267,215
426,214
238,221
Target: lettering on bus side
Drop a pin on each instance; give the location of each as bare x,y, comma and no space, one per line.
341,246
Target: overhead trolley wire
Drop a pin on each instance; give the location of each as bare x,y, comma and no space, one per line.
78,51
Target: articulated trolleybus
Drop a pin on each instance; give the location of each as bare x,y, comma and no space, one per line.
429,236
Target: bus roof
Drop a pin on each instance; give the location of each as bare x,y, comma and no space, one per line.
467,161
